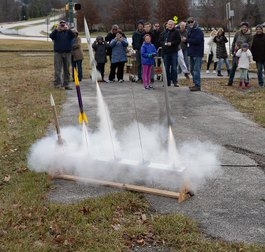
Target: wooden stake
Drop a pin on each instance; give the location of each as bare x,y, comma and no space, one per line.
175,195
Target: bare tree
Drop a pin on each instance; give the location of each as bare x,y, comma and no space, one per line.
252,13
212,14
9,10
90,12
128,12
167,9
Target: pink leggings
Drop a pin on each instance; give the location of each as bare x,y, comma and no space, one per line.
147,70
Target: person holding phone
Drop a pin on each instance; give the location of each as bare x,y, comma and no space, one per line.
62,45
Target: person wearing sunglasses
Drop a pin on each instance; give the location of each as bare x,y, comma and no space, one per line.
110,36
195,44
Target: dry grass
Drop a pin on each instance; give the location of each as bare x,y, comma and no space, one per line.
251,101
113,223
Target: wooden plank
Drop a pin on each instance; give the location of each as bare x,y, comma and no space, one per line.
143,189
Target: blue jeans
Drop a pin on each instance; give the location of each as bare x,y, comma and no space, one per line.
221,62
171,66
260,67
233,70
195,70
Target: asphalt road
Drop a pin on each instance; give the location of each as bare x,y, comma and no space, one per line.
232,205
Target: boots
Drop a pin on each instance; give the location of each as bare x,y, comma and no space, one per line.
228,72
219,73
247,85
241,84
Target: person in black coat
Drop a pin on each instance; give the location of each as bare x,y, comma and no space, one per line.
62,45
100,47
221,52
170,40
258,52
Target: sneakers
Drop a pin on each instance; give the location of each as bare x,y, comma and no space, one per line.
195,88
151,87
214,72
68,88
139,81
110,81
207,71
146,88
121,81
176,85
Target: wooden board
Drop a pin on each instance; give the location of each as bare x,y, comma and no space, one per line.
143,189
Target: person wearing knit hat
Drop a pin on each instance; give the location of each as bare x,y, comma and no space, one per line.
62,38
244,58
258,52
242,36
77,55
245,45
100,48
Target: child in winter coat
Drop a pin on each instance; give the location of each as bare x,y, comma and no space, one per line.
244,58
148,52
100,47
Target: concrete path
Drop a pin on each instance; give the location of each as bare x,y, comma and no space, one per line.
231,206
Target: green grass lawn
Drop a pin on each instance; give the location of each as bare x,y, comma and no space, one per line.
118,222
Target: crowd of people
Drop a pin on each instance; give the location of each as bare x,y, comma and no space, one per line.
181,47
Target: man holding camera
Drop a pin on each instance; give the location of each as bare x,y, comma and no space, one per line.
62,44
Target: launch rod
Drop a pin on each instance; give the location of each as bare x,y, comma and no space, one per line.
166,93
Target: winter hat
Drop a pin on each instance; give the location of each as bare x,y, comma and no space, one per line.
62,22
99,38
245,45
190,19
141,22
244,23
259,26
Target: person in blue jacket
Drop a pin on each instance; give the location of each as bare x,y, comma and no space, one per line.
118,56
148,52
62,45
195,43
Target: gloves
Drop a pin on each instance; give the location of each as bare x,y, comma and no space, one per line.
150,55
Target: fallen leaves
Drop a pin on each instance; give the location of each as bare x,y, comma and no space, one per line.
7,178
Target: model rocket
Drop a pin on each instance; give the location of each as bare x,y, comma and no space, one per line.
95,73
60,141
82,114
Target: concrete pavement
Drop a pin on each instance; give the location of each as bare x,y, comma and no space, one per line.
231,206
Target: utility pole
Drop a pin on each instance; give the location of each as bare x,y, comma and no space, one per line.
71,13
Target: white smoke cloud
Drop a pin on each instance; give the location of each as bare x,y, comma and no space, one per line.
139,154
